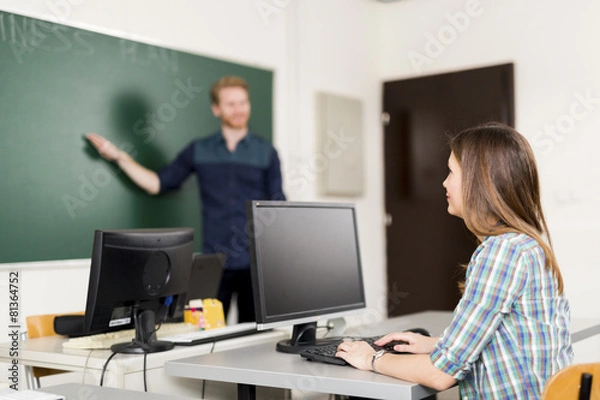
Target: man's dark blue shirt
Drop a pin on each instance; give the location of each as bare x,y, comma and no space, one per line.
226,180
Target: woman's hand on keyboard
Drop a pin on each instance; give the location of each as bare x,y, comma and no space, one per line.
356,353
415,343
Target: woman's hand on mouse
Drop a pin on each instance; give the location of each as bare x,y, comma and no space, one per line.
416,343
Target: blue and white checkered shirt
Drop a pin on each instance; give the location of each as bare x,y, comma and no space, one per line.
510,331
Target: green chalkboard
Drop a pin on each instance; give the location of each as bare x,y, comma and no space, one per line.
59,82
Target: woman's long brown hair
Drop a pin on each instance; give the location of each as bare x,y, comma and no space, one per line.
501,189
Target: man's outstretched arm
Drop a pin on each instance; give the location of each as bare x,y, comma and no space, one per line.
145,178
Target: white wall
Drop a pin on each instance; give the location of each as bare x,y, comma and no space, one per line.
553,46
335,53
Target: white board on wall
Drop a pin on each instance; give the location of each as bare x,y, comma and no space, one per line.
340,147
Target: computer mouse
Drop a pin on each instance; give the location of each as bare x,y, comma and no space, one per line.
421,331
390,346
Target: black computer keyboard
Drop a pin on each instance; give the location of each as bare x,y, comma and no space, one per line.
326,353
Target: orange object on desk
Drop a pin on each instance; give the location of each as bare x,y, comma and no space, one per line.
213,314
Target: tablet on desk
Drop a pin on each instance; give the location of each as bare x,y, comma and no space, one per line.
207,271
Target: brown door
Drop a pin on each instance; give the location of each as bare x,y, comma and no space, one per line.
426,245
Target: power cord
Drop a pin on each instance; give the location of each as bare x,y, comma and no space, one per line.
329,327
105,366
145,384
145,348
134,343
85,365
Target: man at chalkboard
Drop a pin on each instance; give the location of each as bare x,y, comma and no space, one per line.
231,166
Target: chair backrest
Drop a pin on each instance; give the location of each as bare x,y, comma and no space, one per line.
565,384
40,326
43,325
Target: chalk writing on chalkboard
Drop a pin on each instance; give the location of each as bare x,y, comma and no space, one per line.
30,35
146,55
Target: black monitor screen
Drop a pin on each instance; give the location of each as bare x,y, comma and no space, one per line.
305,262
137,272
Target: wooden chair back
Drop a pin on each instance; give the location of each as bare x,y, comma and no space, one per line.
41,326
565,384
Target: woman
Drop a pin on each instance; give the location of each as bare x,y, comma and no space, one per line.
510,331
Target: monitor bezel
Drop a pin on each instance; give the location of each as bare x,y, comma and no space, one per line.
265,321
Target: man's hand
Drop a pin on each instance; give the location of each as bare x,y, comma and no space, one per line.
105,148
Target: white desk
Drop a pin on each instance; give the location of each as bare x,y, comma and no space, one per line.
82,392
125,371
261,365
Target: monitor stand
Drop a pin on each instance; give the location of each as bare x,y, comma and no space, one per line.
145,336
303,337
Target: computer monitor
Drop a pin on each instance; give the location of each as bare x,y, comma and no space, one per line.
136,274
305,266
207,271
